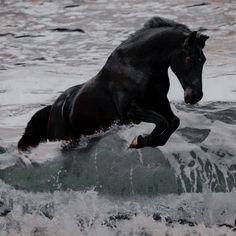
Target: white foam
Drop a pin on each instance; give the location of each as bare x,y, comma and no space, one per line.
84,213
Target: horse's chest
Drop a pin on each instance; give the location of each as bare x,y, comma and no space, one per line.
156,91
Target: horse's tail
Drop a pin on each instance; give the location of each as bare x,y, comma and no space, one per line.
36,129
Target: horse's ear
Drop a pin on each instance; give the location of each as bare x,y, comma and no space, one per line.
189,41
201,39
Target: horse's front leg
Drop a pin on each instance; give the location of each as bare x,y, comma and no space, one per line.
150,116
172,119
165,120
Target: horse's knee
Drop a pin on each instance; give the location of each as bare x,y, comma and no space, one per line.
163,123
155,141
176,122
168,128
160,142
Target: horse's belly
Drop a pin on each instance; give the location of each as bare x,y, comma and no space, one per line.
91,112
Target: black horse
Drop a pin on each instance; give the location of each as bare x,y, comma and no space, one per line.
132,86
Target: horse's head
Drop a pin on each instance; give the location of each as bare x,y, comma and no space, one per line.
187,64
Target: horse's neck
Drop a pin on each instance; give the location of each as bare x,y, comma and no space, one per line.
155,47
151,51
158,38
166,46
160,75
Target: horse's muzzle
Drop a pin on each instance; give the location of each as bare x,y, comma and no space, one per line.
191,97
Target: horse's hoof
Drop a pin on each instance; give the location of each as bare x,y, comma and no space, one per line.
134,143
138,142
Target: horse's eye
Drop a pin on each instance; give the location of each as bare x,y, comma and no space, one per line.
188,60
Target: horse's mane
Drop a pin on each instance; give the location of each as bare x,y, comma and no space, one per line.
156,22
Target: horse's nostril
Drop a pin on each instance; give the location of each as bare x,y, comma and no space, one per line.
192,98
188,99
188,95
188,91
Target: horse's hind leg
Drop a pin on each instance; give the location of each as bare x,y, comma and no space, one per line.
149,116
36,129
58,128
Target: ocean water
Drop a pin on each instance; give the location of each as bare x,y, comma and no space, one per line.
101,187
